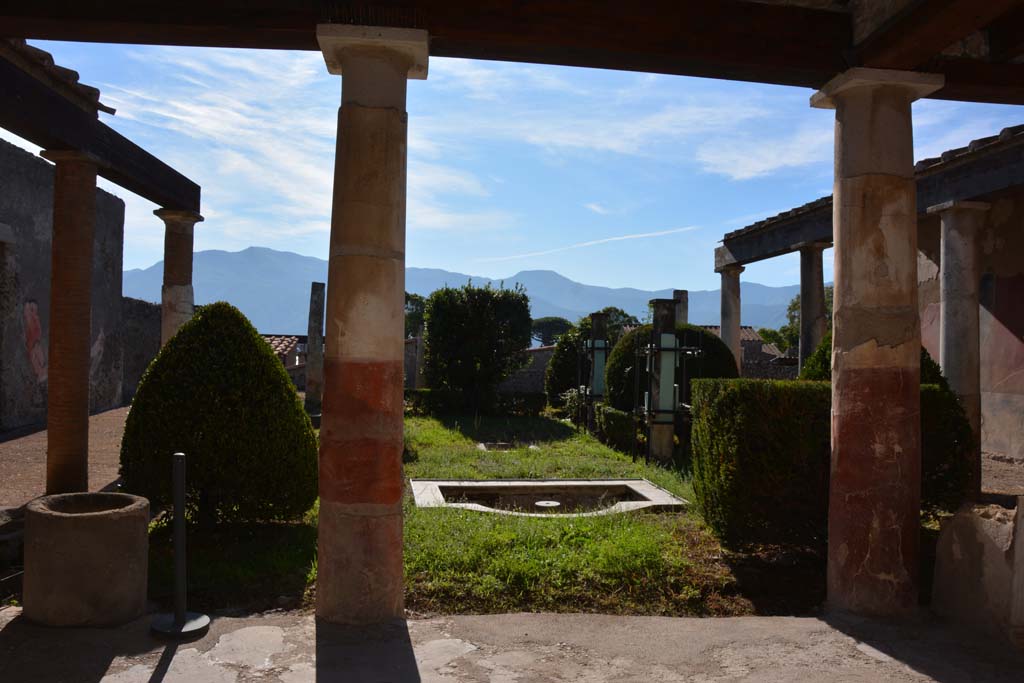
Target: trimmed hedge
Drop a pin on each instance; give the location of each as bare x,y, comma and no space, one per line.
218,393
617,428
442,402
761,457
716,361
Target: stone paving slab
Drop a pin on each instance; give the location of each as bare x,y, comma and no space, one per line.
290,647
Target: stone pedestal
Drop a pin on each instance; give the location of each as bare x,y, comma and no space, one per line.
812,300
74,221
959,332
875,491
177,298
662,402
730,323
360,579
315,349
598,356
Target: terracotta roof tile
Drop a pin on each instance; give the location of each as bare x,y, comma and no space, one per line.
1013,135
40,64
282,344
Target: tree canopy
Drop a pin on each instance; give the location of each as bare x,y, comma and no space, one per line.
547,330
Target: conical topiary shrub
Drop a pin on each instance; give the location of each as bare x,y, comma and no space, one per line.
217,392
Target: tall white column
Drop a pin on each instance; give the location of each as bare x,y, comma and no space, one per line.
875,489
730,323
359,576
959,332
177,297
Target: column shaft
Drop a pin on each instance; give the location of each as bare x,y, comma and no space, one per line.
875,491
730,323
812,301
662,399
959,332
315,349
177,298
682,299
74,220
360,577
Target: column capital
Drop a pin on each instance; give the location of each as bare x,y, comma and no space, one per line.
957,205
337,40
73,155
178,216
916,83
731,269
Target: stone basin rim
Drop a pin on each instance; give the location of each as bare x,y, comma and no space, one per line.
97,504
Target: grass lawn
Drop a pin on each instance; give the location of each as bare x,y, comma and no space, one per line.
464,561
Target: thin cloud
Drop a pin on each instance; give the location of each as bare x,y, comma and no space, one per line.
596,208
591,243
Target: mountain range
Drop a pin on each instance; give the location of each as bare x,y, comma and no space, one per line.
272,288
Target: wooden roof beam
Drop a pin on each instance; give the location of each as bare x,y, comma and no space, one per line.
1006,36
924,28
32,110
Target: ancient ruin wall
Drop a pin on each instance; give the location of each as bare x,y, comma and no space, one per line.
26,215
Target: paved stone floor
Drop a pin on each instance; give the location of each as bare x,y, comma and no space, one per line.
289,647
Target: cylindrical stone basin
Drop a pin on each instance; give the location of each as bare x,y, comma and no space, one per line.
86,559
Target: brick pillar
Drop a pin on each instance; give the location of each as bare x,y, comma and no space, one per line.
359,579
177,299
875,492
959,334
682,299
67,403
315,348
730,323
812,300
662,397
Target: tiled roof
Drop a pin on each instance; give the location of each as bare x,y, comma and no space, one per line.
282,344
40,64
1014,135
747,332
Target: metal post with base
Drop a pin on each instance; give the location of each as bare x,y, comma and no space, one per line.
182,624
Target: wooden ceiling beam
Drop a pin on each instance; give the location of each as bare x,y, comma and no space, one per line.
1006,36
924,28
32,110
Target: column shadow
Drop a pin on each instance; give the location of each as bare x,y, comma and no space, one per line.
365,654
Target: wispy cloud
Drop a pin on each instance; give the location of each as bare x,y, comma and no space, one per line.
590,243
746,156
597,208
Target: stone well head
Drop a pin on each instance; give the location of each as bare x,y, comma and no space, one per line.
86,559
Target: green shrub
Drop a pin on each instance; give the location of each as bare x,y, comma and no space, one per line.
714,360
475,337
569,366
818,365
521,404
617,428
217,392
761,457
443,402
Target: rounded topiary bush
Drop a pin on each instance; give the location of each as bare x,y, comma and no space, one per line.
217,392
714,360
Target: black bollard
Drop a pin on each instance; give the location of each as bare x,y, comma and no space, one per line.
182,624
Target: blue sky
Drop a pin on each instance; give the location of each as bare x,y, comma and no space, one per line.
610,178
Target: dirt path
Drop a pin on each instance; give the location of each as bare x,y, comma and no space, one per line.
23,460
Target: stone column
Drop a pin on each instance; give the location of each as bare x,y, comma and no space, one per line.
959,333
875,491
178,301
315,348
662,396
598,343
730,323
682,299
812,300
67,402
359,579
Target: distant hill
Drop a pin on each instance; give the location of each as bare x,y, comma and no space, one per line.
272,289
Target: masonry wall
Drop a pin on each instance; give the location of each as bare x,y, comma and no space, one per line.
140,322
530,379
1001,319
26,215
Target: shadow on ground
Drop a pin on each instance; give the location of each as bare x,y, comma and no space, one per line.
32,654
509,429
380,653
